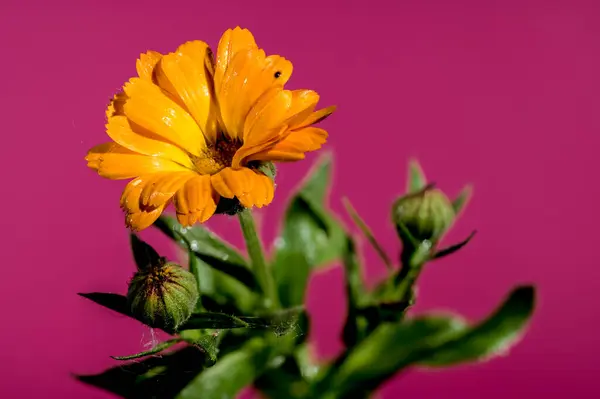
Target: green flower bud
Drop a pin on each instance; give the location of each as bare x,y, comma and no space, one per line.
426,215
163,295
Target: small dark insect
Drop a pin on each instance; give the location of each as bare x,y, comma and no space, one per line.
277,74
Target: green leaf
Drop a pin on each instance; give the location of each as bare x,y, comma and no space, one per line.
355,290
115,302
388,349
201,241
143,254
462,200
453,248
214,252
213,321
317,185
231,373
295,252
309,368
152,377
209,344
284,381
279,322
311,237
240,273
220,291
204,279
360,223
494,336
416,177
432,341
157,349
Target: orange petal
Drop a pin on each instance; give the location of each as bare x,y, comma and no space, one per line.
251,188
114,161
115,106
138,221
232,42
160,187
184,75
136,217
265,124
249,75
196,201
138,139
303,105
293,147
316,117
150,108
146,63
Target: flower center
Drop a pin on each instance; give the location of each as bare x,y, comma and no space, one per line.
216,157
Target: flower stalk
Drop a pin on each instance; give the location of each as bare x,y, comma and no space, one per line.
257,257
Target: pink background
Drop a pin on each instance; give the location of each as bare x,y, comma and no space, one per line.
503,94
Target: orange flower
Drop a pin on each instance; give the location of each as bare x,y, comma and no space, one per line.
191,130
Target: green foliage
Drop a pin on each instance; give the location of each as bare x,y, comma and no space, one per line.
311,237
250,326
157,349
231,373
433,341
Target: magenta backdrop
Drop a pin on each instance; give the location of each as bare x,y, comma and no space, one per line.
503,94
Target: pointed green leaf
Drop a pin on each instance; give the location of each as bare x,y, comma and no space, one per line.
143,254
494,336
152,377
209,248
360,223
311,237
462,200
212,321
280,322
220,291
354,292
318,183
157,349
296,252
453,248
388,349
231,373
115,302
416,177
204,279
209,344
200,240
431,341
240,273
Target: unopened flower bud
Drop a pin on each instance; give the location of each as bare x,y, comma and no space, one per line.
426,215
163,295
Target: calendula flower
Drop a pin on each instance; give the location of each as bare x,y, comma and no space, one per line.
192,130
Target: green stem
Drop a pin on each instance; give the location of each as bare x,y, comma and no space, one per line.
255,251
413,260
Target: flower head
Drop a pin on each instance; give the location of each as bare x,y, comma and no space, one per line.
192,130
